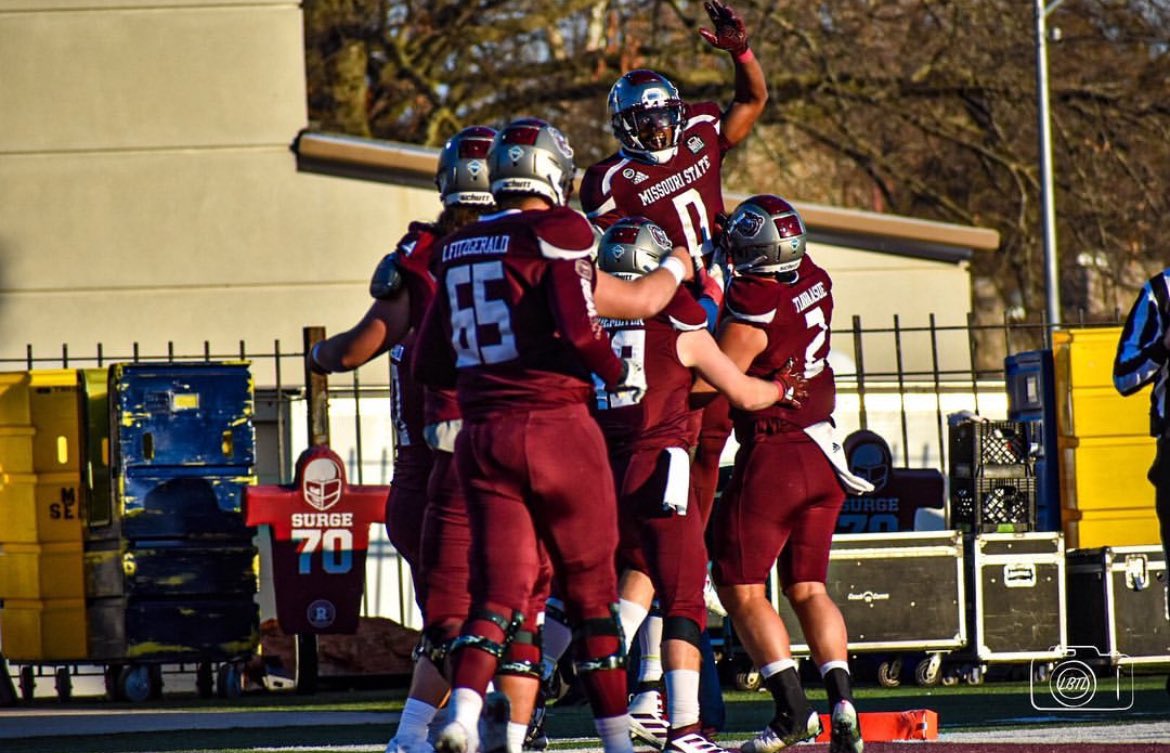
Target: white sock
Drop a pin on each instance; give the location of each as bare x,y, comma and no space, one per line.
466,706
682,693
831,665
779,665
516,733
650,642
412,726
614,732
631,614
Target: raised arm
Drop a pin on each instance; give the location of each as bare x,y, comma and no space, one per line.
751,90
646,296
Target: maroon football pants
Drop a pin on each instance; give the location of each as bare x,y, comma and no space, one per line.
534,478
714,429
782,502
665,546
405,509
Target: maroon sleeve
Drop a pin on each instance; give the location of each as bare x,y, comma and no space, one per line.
592,195
750,301
433,359
569,286
684,313
712,109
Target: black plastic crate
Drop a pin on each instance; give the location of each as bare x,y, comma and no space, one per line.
993,504
975,444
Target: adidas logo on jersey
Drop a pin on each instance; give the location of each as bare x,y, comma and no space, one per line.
634,176
695,144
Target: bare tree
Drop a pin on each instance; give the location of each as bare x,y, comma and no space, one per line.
925,108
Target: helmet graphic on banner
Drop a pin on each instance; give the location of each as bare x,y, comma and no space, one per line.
322,483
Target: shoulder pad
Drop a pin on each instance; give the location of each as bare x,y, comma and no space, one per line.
387,278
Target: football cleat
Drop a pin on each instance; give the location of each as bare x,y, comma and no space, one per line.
845,729
648,721
772,739
454,738
693,741
711,598
419,746
534,738
493,723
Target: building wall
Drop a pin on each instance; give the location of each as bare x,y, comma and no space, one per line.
147,190
148,194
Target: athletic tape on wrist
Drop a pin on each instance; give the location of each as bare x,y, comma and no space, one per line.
675,267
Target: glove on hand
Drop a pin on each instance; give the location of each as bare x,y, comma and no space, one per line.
729,34
792,385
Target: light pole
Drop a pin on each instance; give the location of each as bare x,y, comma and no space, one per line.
1047,200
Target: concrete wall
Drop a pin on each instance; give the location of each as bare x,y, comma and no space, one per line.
148,195
147,190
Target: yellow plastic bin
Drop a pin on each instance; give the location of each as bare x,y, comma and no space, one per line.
14,410
16,449
1088,529
1106,472
43,630
42,571
55,408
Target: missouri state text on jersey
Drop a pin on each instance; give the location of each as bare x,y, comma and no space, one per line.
682,196
515,314
796,317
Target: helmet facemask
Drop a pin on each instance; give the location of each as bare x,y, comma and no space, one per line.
647,116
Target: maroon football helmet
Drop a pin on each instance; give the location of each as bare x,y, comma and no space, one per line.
647,115
462,176
764,235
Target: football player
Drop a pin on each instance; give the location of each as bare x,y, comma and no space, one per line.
648,433
514,327
424,512
786,487
668,170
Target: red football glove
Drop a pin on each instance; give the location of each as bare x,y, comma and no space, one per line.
792,385
729,34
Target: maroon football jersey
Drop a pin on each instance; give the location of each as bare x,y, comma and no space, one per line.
660,418
682,196
514,314
795,317
419,407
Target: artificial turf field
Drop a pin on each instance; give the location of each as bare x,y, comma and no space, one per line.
1000,712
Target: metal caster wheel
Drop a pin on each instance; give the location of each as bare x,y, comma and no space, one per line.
889,673
928,672
136,683
204,680
229,681
749,680
974,675
28,683
64,683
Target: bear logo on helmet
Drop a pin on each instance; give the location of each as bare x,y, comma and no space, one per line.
748,224
658,235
